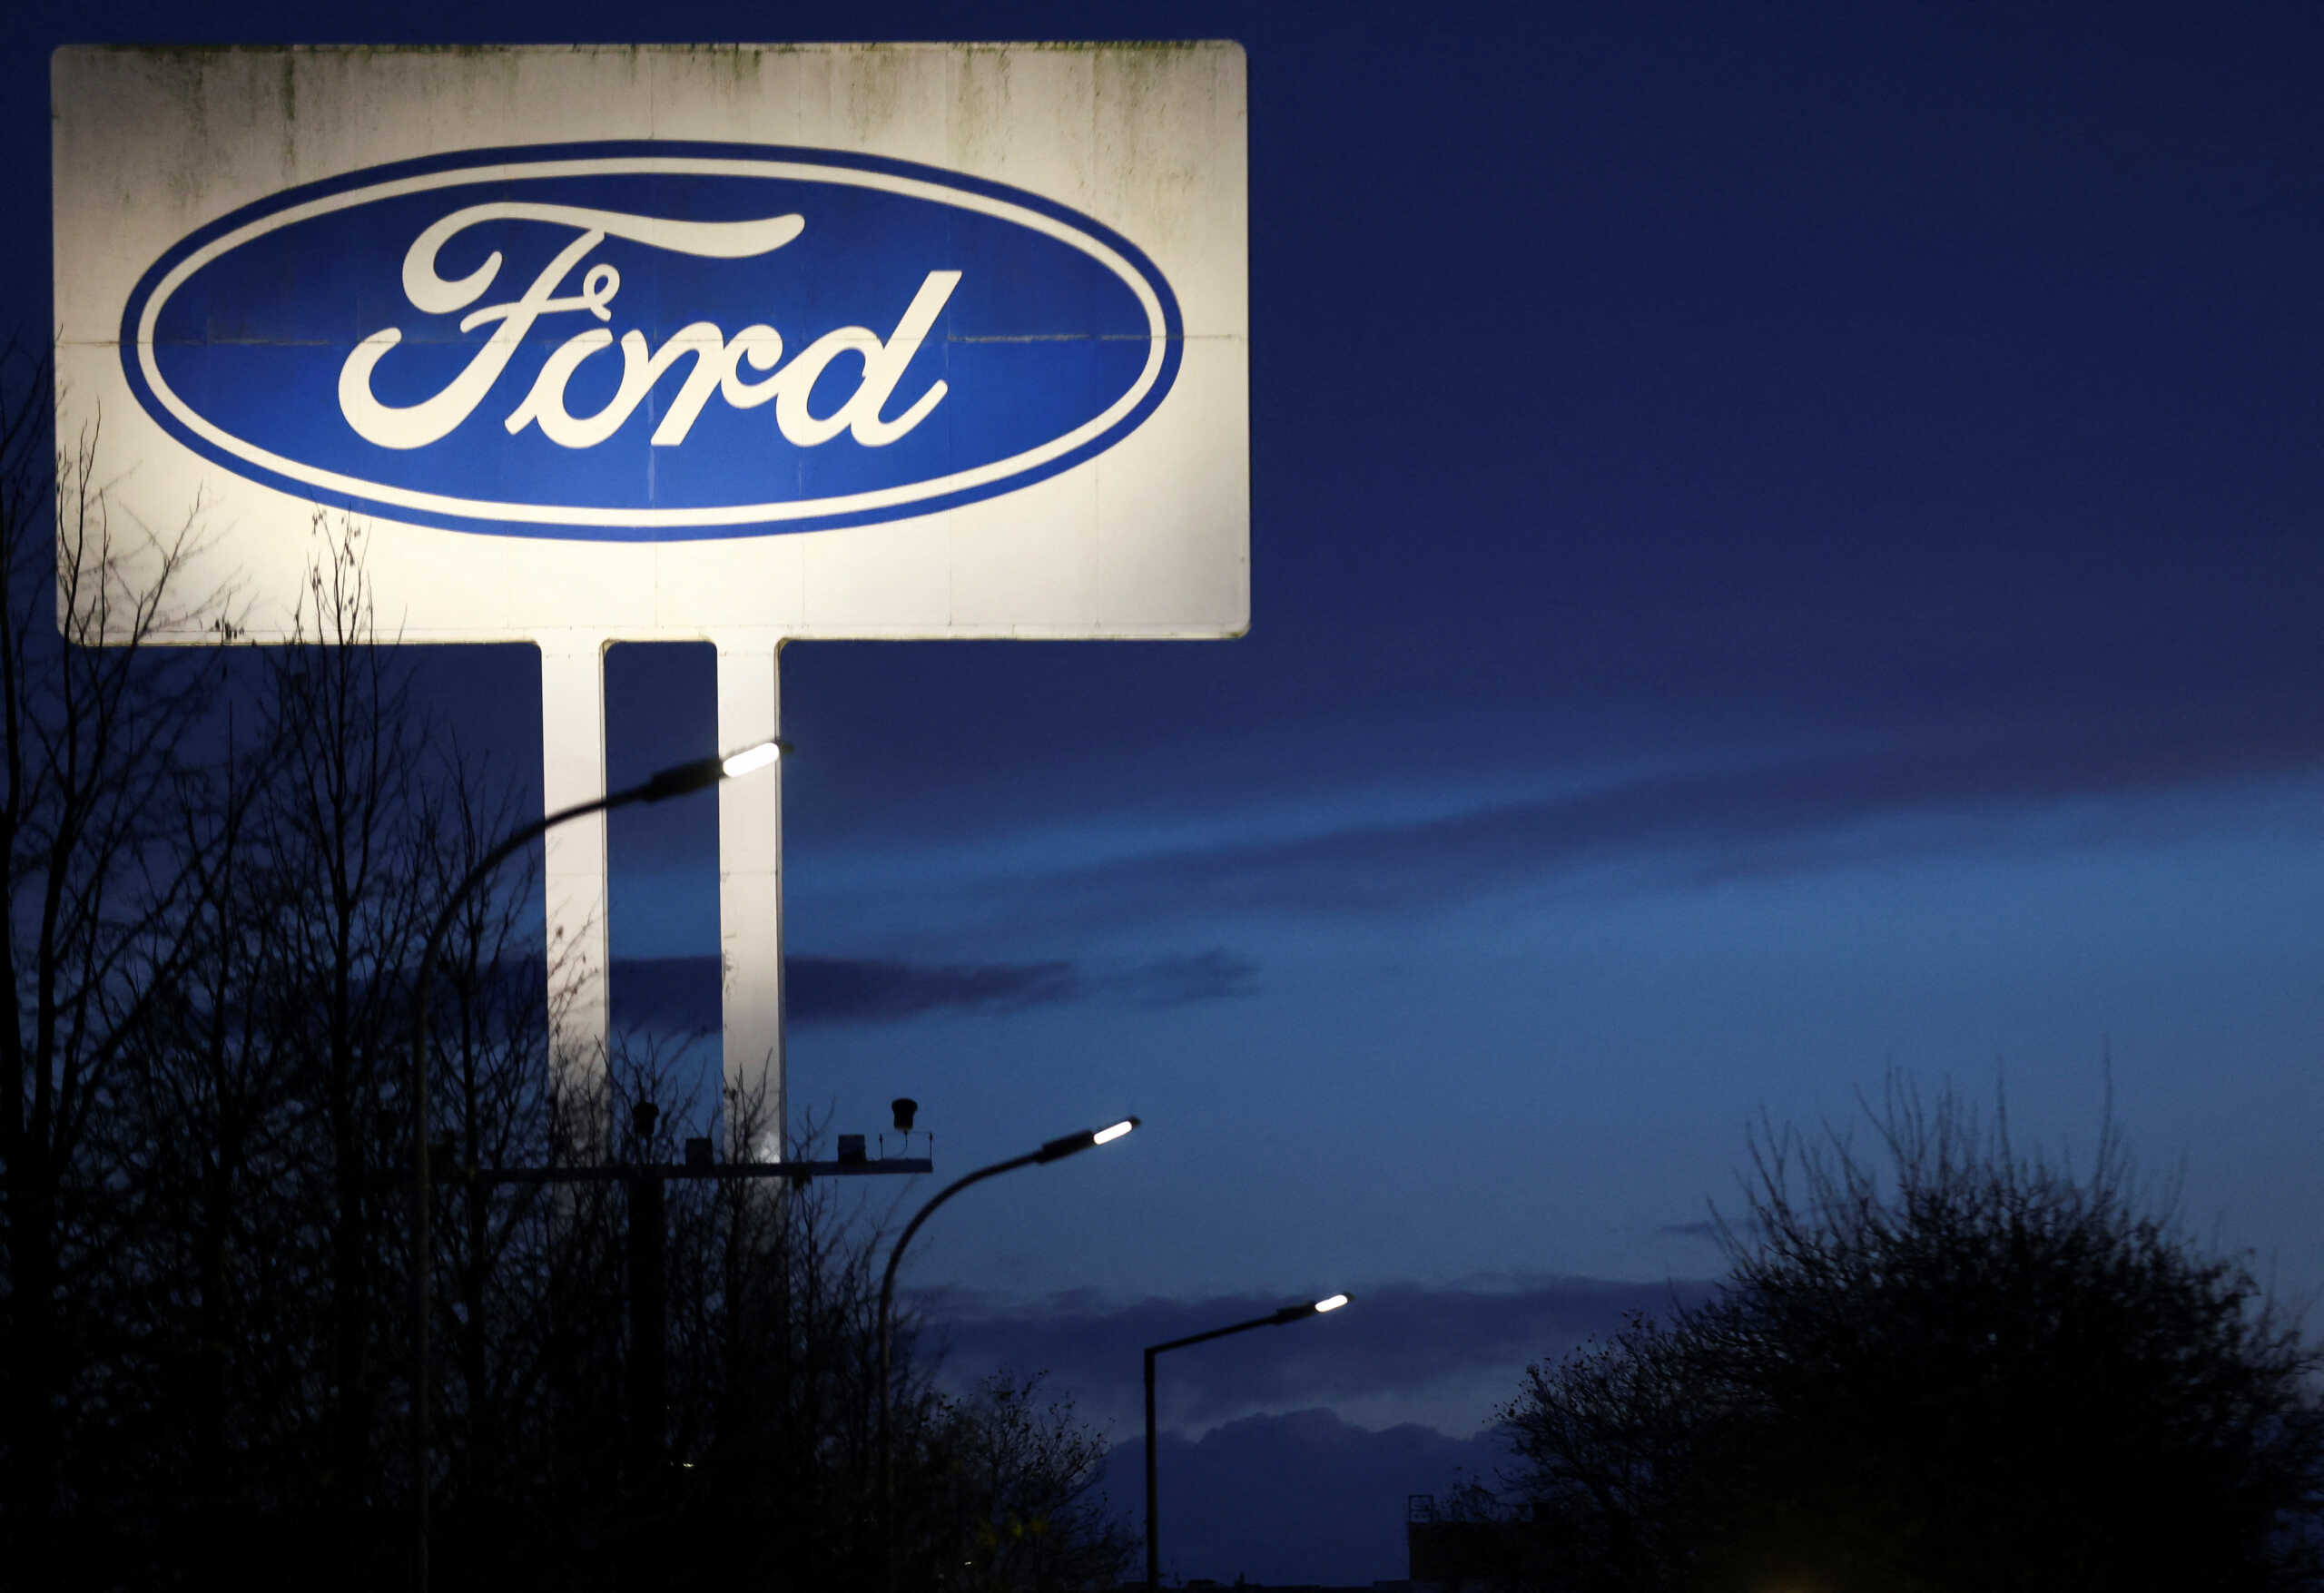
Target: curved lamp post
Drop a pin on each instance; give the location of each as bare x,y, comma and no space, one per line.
678,781
1289,1313
1054,1150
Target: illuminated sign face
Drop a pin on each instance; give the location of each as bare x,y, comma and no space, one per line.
662,342
651,341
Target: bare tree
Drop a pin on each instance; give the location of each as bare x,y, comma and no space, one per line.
345,836
202,1134
1017,1508
95,782
488,1035
1950,1367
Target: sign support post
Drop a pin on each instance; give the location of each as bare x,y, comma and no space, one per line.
750,886
577,902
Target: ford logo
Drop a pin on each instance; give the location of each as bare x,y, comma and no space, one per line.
651,340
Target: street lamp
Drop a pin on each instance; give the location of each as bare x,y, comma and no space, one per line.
1054,1150
1289,1313
676,781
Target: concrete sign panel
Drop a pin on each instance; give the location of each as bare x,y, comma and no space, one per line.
833,341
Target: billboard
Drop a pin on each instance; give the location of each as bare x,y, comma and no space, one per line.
744,344
646,342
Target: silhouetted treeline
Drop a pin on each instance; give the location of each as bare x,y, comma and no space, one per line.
220,865
1951,1369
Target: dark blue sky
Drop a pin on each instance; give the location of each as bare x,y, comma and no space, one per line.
1785,543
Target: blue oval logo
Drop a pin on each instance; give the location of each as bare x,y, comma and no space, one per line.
651,341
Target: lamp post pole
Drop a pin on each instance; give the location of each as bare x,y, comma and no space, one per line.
678,781
1289,1313
1054,1150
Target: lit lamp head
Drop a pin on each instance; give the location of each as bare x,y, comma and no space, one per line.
1316,1308
683,778
750,759
1084,1140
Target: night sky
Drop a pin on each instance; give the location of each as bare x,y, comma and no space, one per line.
1785,545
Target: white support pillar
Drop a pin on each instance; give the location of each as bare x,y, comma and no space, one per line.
573,770
750,883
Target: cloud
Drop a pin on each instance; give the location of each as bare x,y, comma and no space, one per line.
847,989
1777,816
1179,981
1396,1338
682,993
1297,1498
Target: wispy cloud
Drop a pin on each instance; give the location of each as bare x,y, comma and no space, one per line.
1178,981
1781,815
682,993
846,989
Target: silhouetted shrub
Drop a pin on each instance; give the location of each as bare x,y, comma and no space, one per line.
1954,1368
